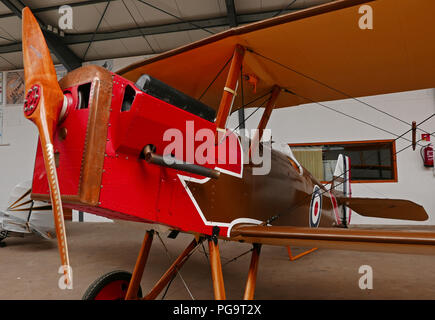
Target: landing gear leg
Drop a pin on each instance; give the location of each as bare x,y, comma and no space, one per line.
173,269
140,266
216,269
120,285
252,275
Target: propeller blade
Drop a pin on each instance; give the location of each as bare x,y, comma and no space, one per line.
44,101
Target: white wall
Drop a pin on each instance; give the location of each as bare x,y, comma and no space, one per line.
314,123
18,155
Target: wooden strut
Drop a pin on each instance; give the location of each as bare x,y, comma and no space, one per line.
252,275
293,258
169,274
414,135
216,270
265,118
229,89
142,258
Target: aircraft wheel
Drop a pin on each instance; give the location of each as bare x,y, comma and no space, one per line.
111,286
3,235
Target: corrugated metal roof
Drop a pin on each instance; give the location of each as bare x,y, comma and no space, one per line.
127,16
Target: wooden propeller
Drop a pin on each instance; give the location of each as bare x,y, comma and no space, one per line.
43,104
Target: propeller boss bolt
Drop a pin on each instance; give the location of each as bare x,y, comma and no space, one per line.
31,101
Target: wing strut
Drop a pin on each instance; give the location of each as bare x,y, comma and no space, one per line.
265,118
230,88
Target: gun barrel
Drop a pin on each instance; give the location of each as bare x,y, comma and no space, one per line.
171,162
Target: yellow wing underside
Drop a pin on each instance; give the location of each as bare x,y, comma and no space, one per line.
320,54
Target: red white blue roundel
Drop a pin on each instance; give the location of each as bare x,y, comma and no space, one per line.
315,207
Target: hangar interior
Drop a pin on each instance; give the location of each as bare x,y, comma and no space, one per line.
374,131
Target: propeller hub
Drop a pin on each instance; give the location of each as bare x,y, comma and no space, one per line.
32,99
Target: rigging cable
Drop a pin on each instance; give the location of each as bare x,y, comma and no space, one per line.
282,10
96,29
176,269
297,205
347,115
215,78
137,26
174,16
328,86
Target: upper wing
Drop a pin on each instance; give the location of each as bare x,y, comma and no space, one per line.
320,54
337,238
386,208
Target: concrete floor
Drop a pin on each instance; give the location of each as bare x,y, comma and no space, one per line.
28,268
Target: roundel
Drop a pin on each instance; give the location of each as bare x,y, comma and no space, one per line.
315,207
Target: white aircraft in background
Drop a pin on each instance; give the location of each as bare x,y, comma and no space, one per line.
25,216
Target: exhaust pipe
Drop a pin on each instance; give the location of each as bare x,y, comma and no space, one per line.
170,162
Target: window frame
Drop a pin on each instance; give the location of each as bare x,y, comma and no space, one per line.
393,151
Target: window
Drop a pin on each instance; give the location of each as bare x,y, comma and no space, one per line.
370,161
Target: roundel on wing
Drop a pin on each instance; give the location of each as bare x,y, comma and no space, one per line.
315,207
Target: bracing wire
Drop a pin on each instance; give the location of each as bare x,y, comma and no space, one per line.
308,196
328,86
347,115
96,29
137,26
214,79
284,9
174,16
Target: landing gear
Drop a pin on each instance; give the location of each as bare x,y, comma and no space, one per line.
3,235
111,286
121,285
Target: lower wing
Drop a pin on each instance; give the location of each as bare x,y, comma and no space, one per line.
337,238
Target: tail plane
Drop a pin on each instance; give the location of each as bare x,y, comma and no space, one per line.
369,207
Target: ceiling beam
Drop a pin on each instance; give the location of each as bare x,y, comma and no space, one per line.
166,28
14,6
50,8
11,47
231,13
54,42
78,38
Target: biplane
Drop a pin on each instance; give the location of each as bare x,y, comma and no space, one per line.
102,147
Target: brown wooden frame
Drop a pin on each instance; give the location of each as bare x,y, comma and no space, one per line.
96,134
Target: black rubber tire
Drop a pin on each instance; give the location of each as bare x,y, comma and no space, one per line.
2,237
95,288
3,234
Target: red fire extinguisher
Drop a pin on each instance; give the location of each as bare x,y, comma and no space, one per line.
427,155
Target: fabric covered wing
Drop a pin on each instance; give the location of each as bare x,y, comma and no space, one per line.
386,208
320,54
337,238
